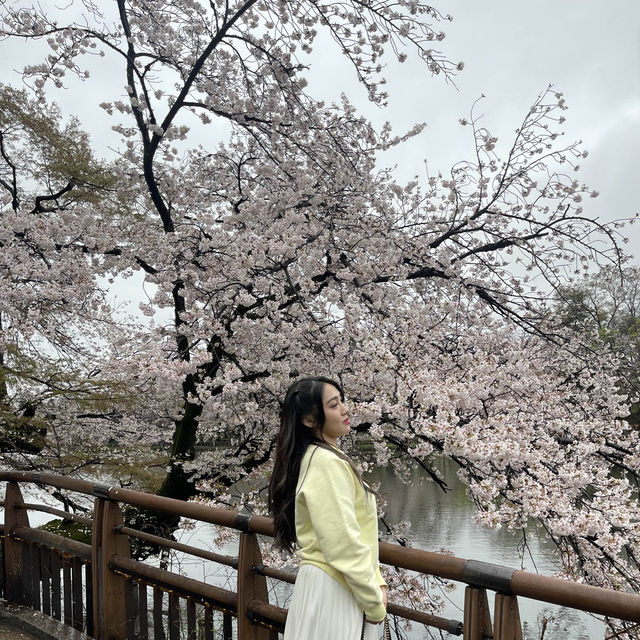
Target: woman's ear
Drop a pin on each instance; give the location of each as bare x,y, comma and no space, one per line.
308,421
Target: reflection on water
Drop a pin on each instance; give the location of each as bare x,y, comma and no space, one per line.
445,521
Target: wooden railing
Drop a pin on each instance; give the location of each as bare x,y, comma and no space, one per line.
101,590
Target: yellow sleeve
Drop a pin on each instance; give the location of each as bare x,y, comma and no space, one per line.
329,492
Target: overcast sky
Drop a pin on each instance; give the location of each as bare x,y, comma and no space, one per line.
512,50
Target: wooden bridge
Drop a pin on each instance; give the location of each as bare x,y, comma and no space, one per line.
101,591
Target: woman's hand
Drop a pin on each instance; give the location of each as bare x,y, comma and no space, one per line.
383,588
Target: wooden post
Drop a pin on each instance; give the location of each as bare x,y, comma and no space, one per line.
477,619
251,586
96,567
506,618
110,617
15,515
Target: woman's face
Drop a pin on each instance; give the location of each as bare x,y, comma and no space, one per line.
336,415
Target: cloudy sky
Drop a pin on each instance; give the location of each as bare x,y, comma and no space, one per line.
512,50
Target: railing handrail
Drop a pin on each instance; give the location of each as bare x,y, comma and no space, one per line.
599,600
204,513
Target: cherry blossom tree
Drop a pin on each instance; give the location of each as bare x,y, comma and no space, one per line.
263,226
58,375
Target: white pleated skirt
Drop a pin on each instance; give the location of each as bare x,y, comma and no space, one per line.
322,609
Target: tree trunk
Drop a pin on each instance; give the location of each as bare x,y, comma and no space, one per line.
177,483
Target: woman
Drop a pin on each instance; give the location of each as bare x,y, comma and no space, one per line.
321,504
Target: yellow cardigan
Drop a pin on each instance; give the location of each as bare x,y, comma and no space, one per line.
337,527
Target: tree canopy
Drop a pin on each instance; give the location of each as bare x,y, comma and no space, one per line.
265,231
606,305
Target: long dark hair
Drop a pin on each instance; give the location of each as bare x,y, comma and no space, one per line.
303,399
